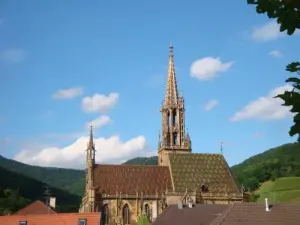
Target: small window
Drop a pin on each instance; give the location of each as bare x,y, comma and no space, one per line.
23,223
82,222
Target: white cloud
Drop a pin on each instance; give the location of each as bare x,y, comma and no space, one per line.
99,122
100,103
68,93
109,150
13,55
265,108
275,53
208,67
211,104
267,32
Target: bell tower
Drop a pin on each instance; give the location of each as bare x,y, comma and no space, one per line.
173,138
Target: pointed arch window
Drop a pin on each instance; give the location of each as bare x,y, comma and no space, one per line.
126,215
105,214
147,212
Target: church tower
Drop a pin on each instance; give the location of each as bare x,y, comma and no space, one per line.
173,138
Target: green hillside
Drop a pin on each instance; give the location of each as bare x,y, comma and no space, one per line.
66,179
282,161
282,190
17,190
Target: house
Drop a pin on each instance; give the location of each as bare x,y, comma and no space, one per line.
52,219
233,214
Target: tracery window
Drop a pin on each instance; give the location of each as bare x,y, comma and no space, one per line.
126,215
105,215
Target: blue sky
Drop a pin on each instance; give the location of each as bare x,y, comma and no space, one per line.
56,55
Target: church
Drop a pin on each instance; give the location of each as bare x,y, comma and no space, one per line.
124,192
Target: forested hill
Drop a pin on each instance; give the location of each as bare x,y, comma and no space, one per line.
17,190
153,160
66,179
282,161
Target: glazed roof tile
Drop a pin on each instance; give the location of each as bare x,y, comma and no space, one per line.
129,179
190,171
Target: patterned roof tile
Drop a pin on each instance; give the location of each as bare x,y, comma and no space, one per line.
192,170
131,178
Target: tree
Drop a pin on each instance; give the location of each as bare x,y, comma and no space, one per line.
292,98
287,13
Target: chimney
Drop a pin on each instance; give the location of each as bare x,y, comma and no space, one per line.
52,202
267,205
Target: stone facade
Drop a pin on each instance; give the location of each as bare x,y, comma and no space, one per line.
124,192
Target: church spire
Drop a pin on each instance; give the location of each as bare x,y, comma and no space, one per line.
91,140
171,95
91,151
173,138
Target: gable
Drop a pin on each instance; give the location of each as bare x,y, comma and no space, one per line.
36,207
129,179
191,171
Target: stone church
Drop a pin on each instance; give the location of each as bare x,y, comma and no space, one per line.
124,192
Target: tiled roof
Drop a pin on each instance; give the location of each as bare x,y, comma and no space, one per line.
131,178
192,170
36,207
255,214
202,214
52,219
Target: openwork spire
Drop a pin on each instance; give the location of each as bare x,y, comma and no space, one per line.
91,140
171,95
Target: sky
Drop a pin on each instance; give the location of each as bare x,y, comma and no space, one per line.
67,64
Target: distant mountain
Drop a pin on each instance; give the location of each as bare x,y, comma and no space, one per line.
17,190
282,161
153,160
66,179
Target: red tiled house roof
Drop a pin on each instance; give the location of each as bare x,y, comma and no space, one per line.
128,179
52,219
36,207
256,214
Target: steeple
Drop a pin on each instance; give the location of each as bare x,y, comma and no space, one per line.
91,147
173,118
171,95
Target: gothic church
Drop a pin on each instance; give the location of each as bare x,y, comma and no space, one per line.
124,192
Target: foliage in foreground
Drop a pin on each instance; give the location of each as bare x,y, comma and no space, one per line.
287,13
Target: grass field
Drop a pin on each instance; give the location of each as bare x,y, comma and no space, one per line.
282,190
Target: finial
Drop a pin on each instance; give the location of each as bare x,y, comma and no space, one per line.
222,147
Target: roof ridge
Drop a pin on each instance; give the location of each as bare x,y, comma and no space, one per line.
220,219
135,165
198,153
